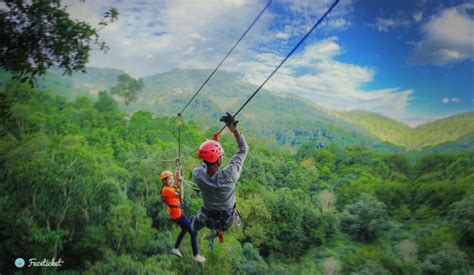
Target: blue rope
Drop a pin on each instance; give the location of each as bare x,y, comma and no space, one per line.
211,240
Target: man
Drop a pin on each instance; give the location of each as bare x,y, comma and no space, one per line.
172,197
218,186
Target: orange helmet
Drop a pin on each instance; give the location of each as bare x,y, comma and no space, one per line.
165,175
210,151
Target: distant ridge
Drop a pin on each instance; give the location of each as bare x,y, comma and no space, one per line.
288,119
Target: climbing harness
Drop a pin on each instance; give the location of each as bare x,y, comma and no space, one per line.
218,221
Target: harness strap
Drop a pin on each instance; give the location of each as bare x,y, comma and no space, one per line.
211,239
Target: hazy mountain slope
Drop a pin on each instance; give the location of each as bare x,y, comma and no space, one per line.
382,127
78,84
457,128
92,81
287,119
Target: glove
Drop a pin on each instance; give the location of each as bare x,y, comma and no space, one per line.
228,119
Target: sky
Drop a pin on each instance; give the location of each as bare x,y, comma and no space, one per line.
409,60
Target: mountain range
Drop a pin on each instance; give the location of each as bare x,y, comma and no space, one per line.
286,119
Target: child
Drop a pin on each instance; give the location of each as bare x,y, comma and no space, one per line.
172,198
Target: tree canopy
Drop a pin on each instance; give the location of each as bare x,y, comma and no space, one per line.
35,35
76,185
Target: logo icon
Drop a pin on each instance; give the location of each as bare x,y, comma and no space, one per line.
20,263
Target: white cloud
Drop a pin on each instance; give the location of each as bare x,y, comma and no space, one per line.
196,34
282,35
448,37
418,16
157,36
176,33
315,74
385,24
189,50
447,100
236,3
198,37
339,23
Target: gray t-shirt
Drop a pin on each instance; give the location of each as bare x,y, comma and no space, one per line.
218,191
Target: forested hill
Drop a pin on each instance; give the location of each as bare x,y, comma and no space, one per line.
285,119
455,128
77,185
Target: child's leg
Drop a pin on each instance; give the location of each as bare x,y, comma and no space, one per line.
187,227
182,225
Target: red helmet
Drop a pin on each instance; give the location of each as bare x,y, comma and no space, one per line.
210,151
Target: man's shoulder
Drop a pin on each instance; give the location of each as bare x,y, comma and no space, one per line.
198,170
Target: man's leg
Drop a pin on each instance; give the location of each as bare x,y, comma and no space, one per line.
198,221
229,220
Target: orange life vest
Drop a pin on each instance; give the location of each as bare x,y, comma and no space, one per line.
170,197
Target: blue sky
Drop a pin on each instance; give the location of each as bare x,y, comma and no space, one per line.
441,87
409,60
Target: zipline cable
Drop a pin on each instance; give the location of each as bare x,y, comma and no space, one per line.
220,63
279,65
179,136
160,160
286,58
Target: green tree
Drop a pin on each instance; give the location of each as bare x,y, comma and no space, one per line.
127,264
447,260
128,89
432,236
129,227
286,235
366,219
105,103
398,165
371,268
257,218
62,194
252,262
36,35
461,215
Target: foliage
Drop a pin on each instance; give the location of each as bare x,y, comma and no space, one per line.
75,185
127,88
447,259
39,34
366,219
370,267
438,132
461,215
